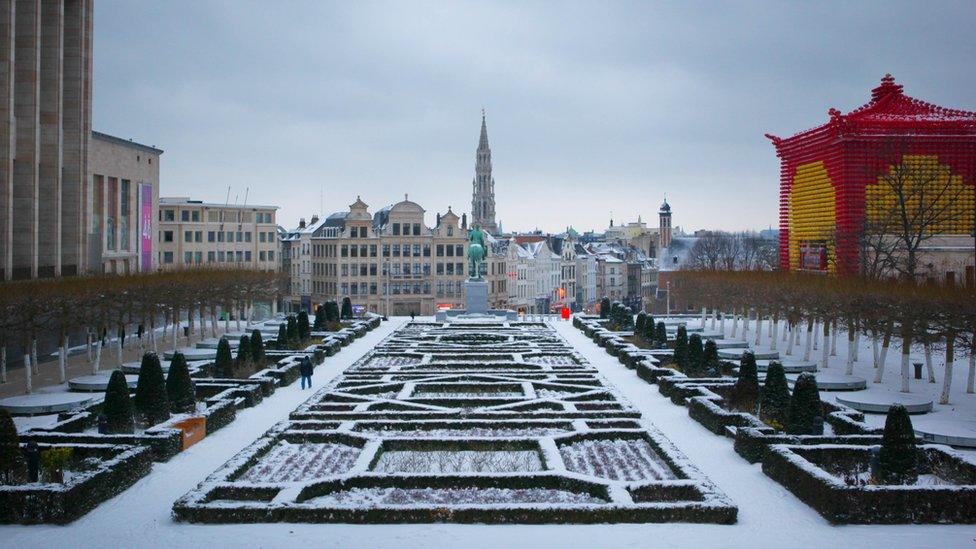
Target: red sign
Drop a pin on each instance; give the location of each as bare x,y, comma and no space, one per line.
565,313
813,257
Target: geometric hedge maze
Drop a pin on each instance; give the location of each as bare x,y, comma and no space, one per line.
461,422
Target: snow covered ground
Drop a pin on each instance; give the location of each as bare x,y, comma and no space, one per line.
962,406
769,516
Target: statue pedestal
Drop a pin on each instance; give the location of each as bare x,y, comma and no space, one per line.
476,296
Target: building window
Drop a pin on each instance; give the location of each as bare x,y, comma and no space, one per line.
247,237
198,236
353,251
187,257
416,229
220,256
167,236
185,215
211,236
210,257
372,250
167,257
396,229
270,255
396,250
247,255
195,216
426,250
450,230
169,215
440,250
344,251
459,250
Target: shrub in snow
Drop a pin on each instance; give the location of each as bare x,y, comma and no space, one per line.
681,347
53,462
304,331
710,362
605,307
243,359
319,324
179,386
898,457
151,400
118,406
774,404
291,329
346,308
694,361
661,335
9,447
224,363
282,341
745,393
648,333
806,410
639,324
257,348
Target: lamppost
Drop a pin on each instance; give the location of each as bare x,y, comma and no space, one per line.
668,301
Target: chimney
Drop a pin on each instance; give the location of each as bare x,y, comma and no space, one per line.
301,223
315,219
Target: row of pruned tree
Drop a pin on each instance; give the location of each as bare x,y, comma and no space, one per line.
100,307
926,316
722,251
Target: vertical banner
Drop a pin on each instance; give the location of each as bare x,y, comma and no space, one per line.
145,227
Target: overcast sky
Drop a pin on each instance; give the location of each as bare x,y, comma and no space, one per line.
592,107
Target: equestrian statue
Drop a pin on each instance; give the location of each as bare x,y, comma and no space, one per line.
477,250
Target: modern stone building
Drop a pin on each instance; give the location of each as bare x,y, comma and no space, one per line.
121,201
483,192
197,234
45,129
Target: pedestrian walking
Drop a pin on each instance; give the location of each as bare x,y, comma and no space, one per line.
305,369
411,316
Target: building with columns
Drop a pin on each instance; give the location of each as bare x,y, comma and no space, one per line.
483,195
45,130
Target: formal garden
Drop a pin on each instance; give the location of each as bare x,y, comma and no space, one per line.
462,422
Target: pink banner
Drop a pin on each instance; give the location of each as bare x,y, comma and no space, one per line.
145,229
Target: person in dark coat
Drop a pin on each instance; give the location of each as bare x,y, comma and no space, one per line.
411,316
33,455
305,369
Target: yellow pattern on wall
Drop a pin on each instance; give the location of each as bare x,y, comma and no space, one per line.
931,192
812,211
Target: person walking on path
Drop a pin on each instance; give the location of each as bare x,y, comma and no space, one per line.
411,316
305,369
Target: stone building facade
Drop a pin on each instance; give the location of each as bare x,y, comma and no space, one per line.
45,130
389,262
121,199
193,233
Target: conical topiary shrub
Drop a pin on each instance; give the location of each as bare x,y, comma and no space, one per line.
332,312
118,405
242,362
661,335
304,331
710,363
282,341
179,386
346,308
648,332
681,347
605,307
319,324
291,329
694,364
151,402
224,363
898,457
806,410
745,393
257,348
774,401
9,447
639,324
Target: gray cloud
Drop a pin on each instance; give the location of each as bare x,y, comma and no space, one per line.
592,107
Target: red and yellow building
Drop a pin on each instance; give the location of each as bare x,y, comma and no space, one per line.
827,172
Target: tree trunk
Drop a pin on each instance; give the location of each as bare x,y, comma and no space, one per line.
249,309
735,325
191,326
825,348
874,346
773,329
786,330
88,343
970,389
857,342
121,338
928,360
758,340
745,324
714,317
721,325
176,328
885,344
949,359
809,341
906,349
793,337
833,341
33,352
3,362
237,317
226,319
63,357
152,333
203,322
28,382
851,349
98,357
